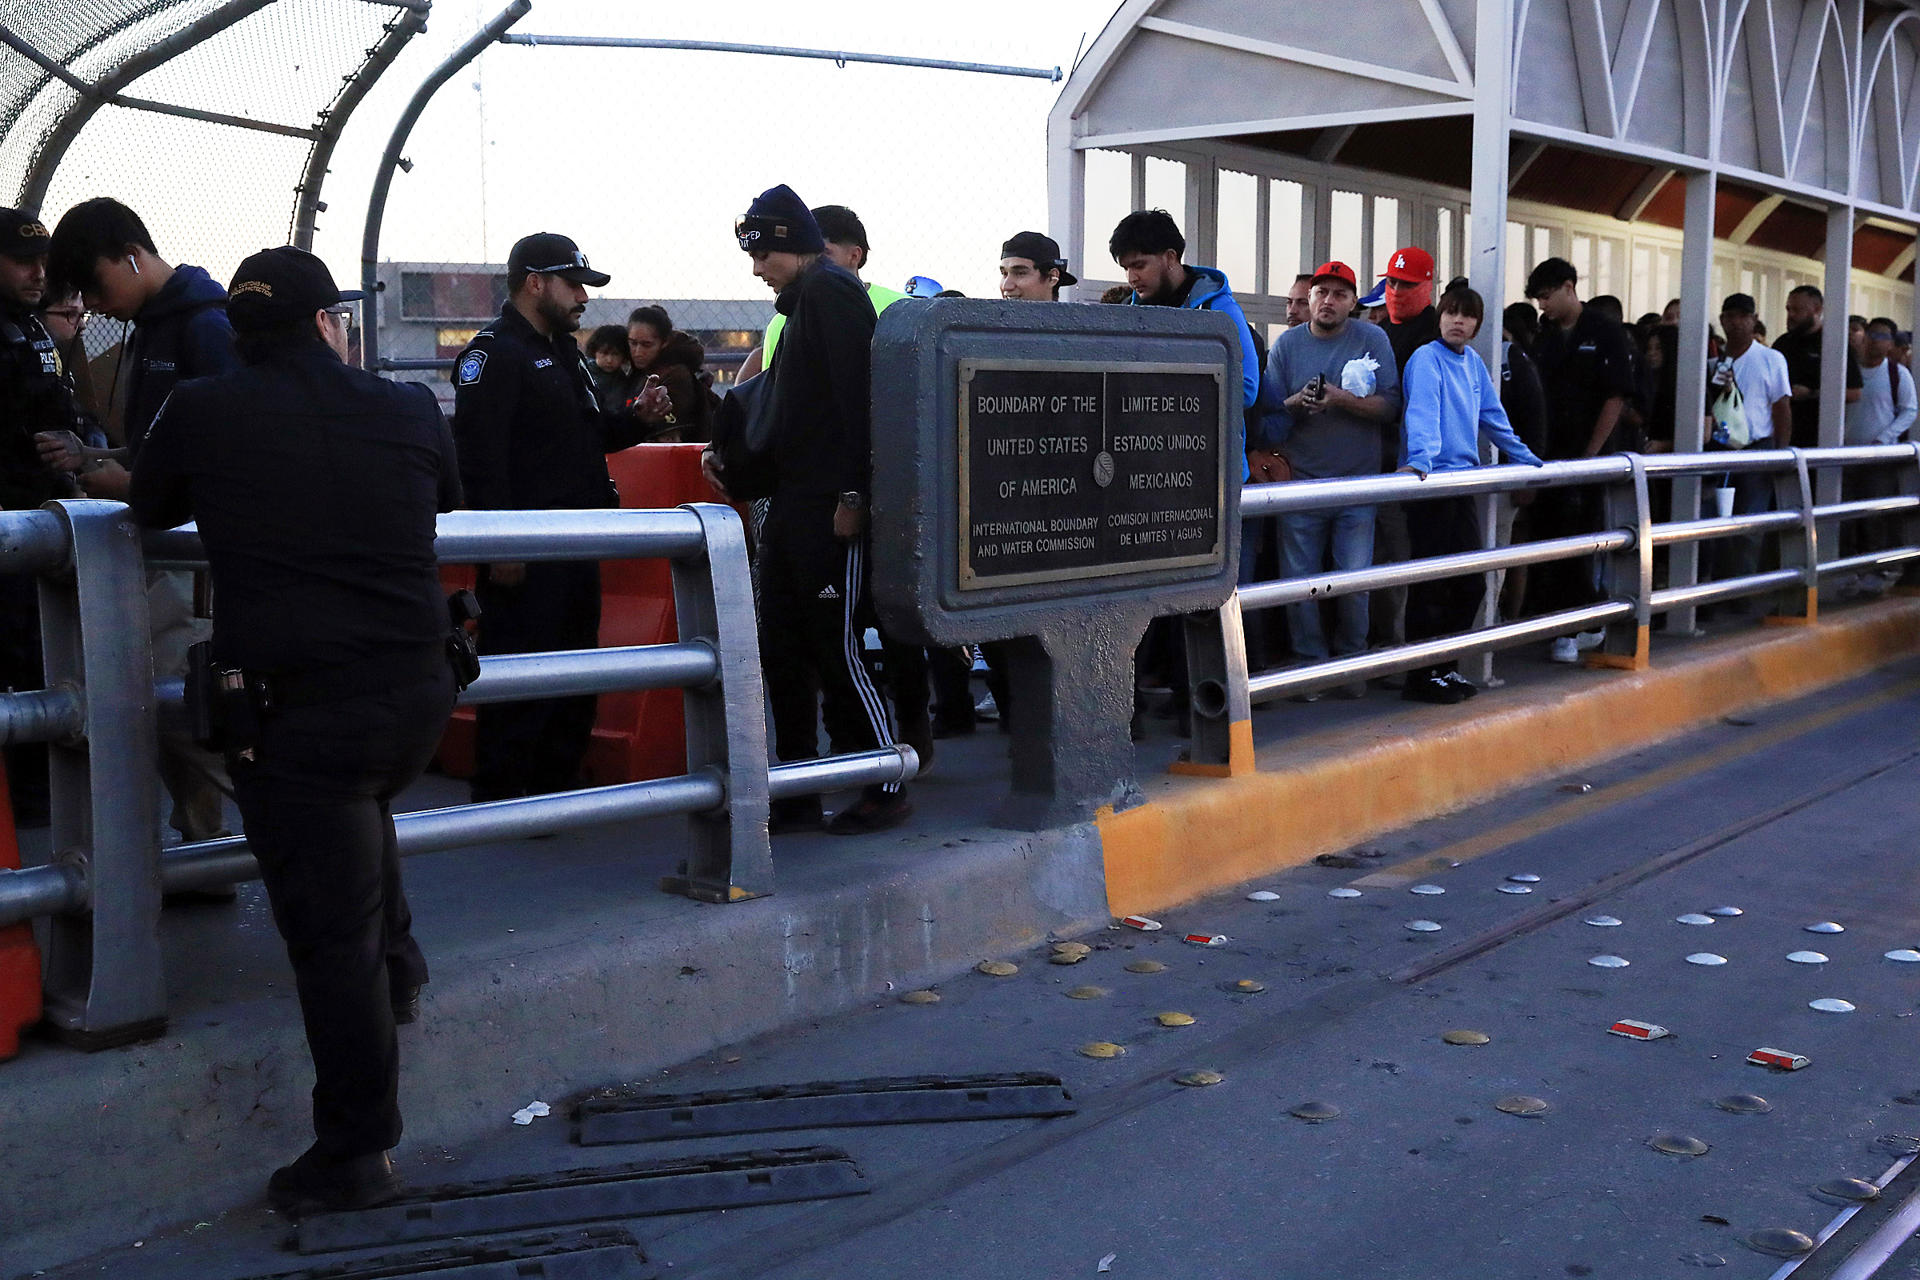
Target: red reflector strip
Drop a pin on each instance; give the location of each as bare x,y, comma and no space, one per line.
1637,1030
1140,922
1779,1059
1208,939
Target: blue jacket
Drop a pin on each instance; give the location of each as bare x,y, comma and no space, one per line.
181,333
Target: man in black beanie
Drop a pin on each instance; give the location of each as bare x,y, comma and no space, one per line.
813,550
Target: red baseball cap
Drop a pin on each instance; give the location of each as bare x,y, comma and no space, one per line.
1411,264
1336,271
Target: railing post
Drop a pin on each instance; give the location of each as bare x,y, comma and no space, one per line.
1628,572
1909,521
1222,744
1793,490
731,859
104,980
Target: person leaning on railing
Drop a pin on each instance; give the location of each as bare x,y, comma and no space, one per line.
316,487
1450,402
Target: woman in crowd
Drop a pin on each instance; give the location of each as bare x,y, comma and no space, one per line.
659,350
1451,401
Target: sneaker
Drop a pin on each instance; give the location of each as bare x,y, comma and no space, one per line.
870,815
986,710
1566,649
319,1183
1431,688
1352,692
1315,696
1589,639
1466,687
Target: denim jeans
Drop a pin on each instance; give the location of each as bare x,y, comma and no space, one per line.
1305,541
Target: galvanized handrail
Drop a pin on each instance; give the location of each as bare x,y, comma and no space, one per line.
102,887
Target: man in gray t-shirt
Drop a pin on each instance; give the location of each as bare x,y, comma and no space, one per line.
1336,380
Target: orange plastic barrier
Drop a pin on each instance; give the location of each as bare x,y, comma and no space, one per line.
19,956
636,735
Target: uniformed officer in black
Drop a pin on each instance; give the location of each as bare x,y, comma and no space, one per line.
316,487
35,395
533,437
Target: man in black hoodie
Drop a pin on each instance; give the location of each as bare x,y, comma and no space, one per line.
813,576
180,331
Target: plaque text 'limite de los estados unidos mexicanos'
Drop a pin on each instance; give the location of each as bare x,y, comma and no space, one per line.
1073,471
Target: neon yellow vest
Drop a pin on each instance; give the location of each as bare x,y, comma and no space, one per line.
878,294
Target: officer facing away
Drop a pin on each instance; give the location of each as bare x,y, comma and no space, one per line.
34,396
534,437
316,487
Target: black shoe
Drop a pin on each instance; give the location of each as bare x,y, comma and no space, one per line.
406,1005
1431,688
952,728
792,817
318,1183
1466,687
870,815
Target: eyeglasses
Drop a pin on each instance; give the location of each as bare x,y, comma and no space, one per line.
579,262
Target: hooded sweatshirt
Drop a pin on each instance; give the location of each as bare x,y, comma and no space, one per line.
182,332
1207,290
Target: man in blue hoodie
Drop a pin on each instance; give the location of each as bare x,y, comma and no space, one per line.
179,315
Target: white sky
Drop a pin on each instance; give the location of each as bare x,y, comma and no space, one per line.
646,156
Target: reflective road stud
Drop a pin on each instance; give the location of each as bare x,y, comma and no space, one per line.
1608,962
1263,895
1072,949
1826,926
1087,993
1847,1191
1198,1079
1464,1036
1829,1004
1423,926
920,997
1604,922
1520,1104
1102,1049
1744,1104
1780,1242
1513,888
1706,958
1677,1144
997,968
1638,1030
1524,877
1905,956
1173,1018
1725,912
1343,892
1141,923
1316,1112
1693,917
1146,966
1778,1059
1246,987
1427,890
1806,957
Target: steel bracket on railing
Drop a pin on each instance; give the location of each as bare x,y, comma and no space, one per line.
731,858
1793,491
104,976
1222,744
1628,572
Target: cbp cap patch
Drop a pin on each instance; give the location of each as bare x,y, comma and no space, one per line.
470,366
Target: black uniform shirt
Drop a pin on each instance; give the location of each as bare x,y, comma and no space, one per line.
315,486
1581,369
1802,349
34,396
532,435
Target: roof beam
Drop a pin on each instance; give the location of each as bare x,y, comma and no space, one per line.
1743,233
1803,79
1328,144
1229,129
1304,57
1900,263
1630,59
1636,204
1529,152
1763,75
1449,42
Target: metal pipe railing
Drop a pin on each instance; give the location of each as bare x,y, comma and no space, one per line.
41,715
1725,589
1260,500
510,677
1871,560
1723,527
1325,586
34,542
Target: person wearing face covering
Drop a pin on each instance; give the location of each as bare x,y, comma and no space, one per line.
1411,323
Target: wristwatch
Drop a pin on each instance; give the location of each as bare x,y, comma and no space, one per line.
854,500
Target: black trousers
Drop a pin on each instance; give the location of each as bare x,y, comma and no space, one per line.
813,611
951,669
531,748
1563,584
1443,527
20,670
317,801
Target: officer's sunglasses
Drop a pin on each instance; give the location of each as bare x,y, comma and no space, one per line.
579,261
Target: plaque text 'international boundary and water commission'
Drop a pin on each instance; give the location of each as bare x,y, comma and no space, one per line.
1073,470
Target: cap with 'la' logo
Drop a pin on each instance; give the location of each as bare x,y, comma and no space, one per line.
1410,264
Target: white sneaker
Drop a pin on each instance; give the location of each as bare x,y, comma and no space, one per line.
1565,649
1589,639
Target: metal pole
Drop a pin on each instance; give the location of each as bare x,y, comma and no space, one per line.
333,120
33,188
1690,387
784,51
390,160
1487,240
506,677
33,542
41,715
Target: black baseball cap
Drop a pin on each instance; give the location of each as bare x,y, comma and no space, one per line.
1739,304
1041,250
22,235
280,286
549,253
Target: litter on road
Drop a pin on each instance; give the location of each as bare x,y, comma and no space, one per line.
1207,939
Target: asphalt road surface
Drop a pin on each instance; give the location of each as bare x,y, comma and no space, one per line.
1801,815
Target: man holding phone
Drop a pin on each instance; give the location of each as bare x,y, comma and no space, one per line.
532,436
1342,394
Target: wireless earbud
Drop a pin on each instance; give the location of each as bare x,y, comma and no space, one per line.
133,264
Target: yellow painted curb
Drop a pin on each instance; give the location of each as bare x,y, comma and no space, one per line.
1334,790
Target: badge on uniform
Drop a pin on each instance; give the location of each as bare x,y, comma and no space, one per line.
470,366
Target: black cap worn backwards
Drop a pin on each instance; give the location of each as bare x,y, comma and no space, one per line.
280,286
549,253
22,236
1042,251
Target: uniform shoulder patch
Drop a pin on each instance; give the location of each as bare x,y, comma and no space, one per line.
470,367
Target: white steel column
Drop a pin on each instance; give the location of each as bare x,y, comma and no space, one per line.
1833,343
1485,237
1697,306
1067,193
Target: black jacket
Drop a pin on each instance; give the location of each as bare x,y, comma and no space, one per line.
315,486
820,394
34,396
181,333
532,435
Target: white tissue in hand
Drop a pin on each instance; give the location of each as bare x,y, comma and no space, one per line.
1357,378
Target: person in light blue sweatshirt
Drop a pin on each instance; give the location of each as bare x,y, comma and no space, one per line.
1450,401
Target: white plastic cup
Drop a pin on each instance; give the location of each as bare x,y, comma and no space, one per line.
1723,502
